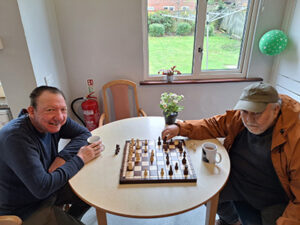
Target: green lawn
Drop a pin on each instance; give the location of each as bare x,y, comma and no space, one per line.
165,52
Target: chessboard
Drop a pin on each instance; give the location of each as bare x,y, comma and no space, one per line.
148,161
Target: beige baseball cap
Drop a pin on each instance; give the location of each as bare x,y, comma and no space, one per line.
256,97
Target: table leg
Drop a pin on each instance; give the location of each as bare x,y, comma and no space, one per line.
211,210
101,217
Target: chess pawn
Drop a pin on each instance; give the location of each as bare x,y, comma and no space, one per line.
145,172
186,171
146,142
152,153
151,158
159,142
146,149
171,171
162,173
176,166
130,165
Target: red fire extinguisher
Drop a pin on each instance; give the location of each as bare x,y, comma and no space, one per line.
90,111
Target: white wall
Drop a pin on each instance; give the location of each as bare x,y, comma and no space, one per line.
40,26
16,72
288,69
103,40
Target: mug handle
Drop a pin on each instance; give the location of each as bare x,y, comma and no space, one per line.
220,157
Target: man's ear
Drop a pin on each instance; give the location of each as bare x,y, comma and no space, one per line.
30,110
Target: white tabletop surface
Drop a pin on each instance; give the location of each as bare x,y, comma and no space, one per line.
98,182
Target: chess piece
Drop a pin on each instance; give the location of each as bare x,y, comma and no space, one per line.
159,142
176,166
184,158
117,149
137,157
146,142
130,165
165,140
167,161
145,172
137,146
176,142
146,149
151,159
186,171
165,147
171,144
170,171
162,173
152,153
129,156
132,142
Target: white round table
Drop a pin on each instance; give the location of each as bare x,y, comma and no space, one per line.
97,183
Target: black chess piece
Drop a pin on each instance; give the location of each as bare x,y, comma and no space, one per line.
117,149
171,142
186,171
184,158
176,166
167,156
165,140
168,161
170,171
159,141
165,147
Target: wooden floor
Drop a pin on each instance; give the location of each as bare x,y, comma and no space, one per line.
193,217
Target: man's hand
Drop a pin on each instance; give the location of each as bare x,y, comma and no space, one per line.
90,152
58,162
170,132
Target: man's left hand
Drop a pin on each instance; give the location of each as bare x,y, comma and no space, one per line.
58,162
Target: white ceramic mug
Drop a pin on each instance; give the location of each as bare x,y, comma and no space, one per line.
93,139
209,153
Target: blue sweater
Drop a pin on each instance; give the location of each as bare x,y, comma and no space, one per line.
26,155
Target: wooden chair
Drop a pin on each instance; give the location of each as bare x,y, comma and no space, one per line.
118,93
10,220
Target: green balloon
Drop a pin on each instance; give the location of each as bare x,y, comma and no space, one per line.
273,42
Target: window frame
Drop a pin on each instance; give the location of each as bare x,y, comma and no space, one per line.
241,72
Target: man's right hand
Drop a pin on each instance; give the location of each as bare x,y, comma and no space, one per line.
90,152
170,132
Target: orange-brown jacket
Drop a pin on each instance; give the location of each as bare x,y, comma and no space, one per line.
285,150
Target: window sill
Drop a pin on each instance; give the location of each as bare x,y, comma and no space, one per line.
200,81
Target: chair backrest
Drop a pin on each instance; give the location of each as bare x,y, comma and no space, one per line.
119,103
10,220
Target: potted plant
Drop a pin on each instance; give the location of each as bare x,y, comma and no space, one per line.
169,73
169,104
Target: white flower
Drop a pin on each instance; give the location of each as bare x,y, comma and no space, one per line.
165,105
175,101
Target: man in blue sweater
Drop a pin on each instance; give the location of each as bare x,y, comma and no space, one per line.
33,174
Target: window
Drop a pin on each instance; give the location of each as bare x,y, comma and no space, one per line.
151,8
185,8
208,39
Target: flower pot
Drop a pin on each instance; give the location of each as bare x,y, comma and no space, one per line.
171,118
170,78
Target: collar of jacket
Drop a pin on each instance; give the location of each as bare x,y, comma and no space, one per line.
287,120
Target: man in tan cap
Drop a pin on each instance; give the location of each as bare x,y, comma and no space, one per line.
264,181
